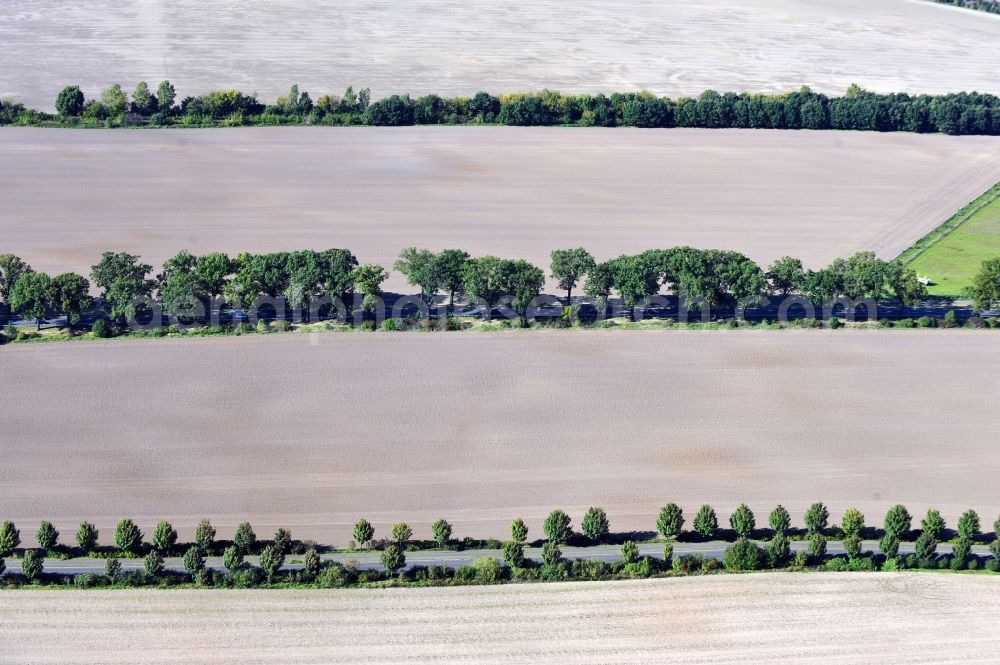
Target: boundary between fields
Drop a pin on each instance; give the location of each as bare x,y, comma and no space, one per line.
967,212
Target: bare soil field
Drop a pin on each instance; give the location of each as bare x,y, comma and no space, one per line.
766,618
679,47
313,432
69,195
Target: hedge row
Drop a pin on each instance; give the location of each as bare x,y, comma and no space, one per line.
857,109
741,555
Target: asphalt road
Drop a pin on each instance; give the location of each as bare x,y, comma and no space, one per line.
369,560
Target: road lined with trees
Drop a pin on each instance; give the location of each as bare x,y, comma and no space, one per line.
857,109
593,552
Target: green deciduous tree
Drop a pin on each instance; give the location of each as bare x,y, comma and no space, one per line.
551,554
194,561
852,522
933,524
11,270
449,266
569,266
419,266
311,561
232,558
786,275
153,564
779,551
742,521
816,518
518,531
363,532
165,96
558,527
817,545
925,546
743,555
112,569
393,558
513,554
245,538
143,100
889,544
86,536
69,101
47,536
204,536
122,280
368,280
852,546
985,288
32,565
705,522
31,296
282,540
670,521
595,524
401,532
897,521
70,296
779,519
968,525
128,537
164,536
10,538
630,551
442,532
115,99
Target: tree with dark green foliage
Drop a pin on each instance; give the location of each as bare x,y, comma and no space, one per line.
513,554
668,553
10,538
232,558
968,525
47,536
600,281
558,527
311,562
705,522
897,521
670,521
32,564
985,288
401,533
449,266
86,536
743,521
779,551
442,532
143,101
194,561
817,545
69,101
630,551
115,99
933,524
31,296
70,296
852,522
889,544
852,546
128,537
569,266
960,553
153,564
925,546
780,520
165,96
551,554
392,558
634,278
363,532
519,531
368,280
786,275
282,540
419,266
245,539
112,569
164,536
122,280
11,270
816,518
204,536
743,555
394,111
595,524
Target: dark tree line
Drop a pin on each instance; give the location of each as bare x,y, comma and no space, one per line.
857,109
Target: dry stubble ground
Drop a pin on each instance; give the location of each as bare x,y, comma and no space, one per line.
514,192
773,618
483,427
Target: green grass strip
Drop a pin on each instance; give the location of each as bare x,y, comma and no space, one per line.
950,225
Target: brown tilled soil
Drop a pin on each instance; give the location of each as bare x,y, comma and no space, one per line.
69,195
314,432
679,47
765,618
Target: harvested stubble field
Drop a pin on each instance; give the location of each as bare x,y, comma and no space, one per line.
678,47
69,195
313,432
772,618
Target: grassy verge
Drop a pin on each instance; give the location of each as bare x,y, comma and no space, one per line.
951,254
